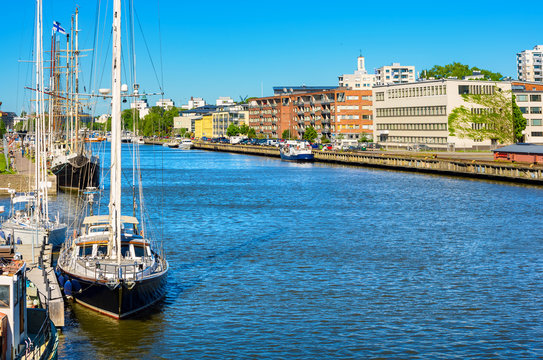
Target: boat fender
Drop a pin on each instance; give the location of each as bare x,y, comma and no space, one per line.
61,280
68,288
76,286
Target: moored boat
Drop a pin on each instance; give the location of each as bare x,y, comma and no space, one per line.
185,144
109,285
111,267
297,152
26,333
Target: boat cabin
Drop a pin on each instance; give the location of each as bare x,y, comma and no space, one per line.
95,243
13,317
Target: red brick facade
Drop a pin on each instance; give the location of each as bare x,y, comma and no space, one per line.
330,112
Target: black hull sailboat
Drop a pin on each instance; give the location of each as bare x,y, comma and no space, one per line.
119,300
111,267
80,172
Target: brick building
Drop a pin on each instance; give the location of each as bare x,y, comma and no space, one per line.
331,111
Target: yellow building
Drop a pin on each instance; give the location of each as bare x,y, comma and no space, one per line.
203,127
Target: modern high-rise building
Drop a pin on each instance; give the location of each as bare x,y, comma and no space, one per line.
395,74
360,79
529,64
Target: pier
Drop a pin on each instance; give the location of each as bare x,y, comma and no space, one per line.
421,162
24,180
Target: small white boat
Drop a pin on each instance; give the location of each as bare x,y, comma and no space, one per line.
171,144
185,144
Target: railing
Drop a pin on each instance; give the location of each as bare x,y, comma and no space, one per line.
113,272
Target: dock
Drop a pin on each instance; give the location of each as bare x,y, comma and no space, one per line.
431,163
41,273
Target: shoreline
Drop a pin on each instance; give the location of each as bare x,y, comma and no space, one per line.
424,163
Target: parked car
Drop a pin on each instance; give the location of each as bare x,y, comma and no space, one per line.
374,146
419,147
327,147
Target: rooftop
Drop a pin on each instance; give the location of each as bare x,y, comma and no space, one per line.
522,148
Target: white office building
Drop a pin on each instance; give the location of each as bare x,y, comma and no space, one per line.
417,113
360,80
224,101
194,102
142,106
529,64
165,103
395,74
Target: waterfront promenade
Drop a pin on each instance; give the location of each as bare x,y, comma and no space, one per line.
24,180
473,165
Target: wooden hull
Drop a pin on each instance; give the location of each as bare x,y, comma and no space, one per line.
79,173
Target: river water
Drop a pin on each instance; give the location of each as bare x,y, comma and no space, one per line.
278,260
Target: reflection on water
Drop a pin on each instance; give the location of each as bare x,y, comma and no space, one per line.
279,260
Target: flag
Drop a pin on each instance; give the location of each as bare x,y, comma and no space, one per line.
58,28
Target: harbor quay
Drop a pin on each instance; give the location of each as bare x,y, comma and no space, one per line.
463,165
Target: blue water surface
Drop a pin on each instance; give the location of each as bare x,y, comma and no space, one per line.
278,260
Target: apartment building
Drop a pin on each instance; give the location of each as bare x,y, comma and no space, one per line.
417,113
528,97
529,64
395,74
332,112
203,127
360,79
226,115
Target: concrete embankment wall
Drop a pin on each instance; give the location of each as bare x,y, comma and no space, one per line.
522,173
24,183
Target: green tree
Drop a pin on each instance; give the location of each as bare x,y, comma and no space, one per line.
251,133
2,129
128,116
325,140
458,70
489,116
310,134
243,129
285,134
232,130
519,122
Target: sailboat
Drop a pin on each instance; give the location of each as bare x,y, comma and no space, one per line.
112,267
29,224
71,161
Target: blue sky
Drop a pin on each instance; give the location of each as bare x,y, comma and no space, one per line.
212,49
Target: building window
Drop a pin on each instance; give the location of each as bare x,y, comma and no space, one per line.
523,110
535,97
535,110
522,98
4,296
537,133
536,122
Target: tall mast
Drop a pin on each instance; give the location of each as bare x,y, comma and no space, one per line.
67,111
115,191
40,170
76,64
